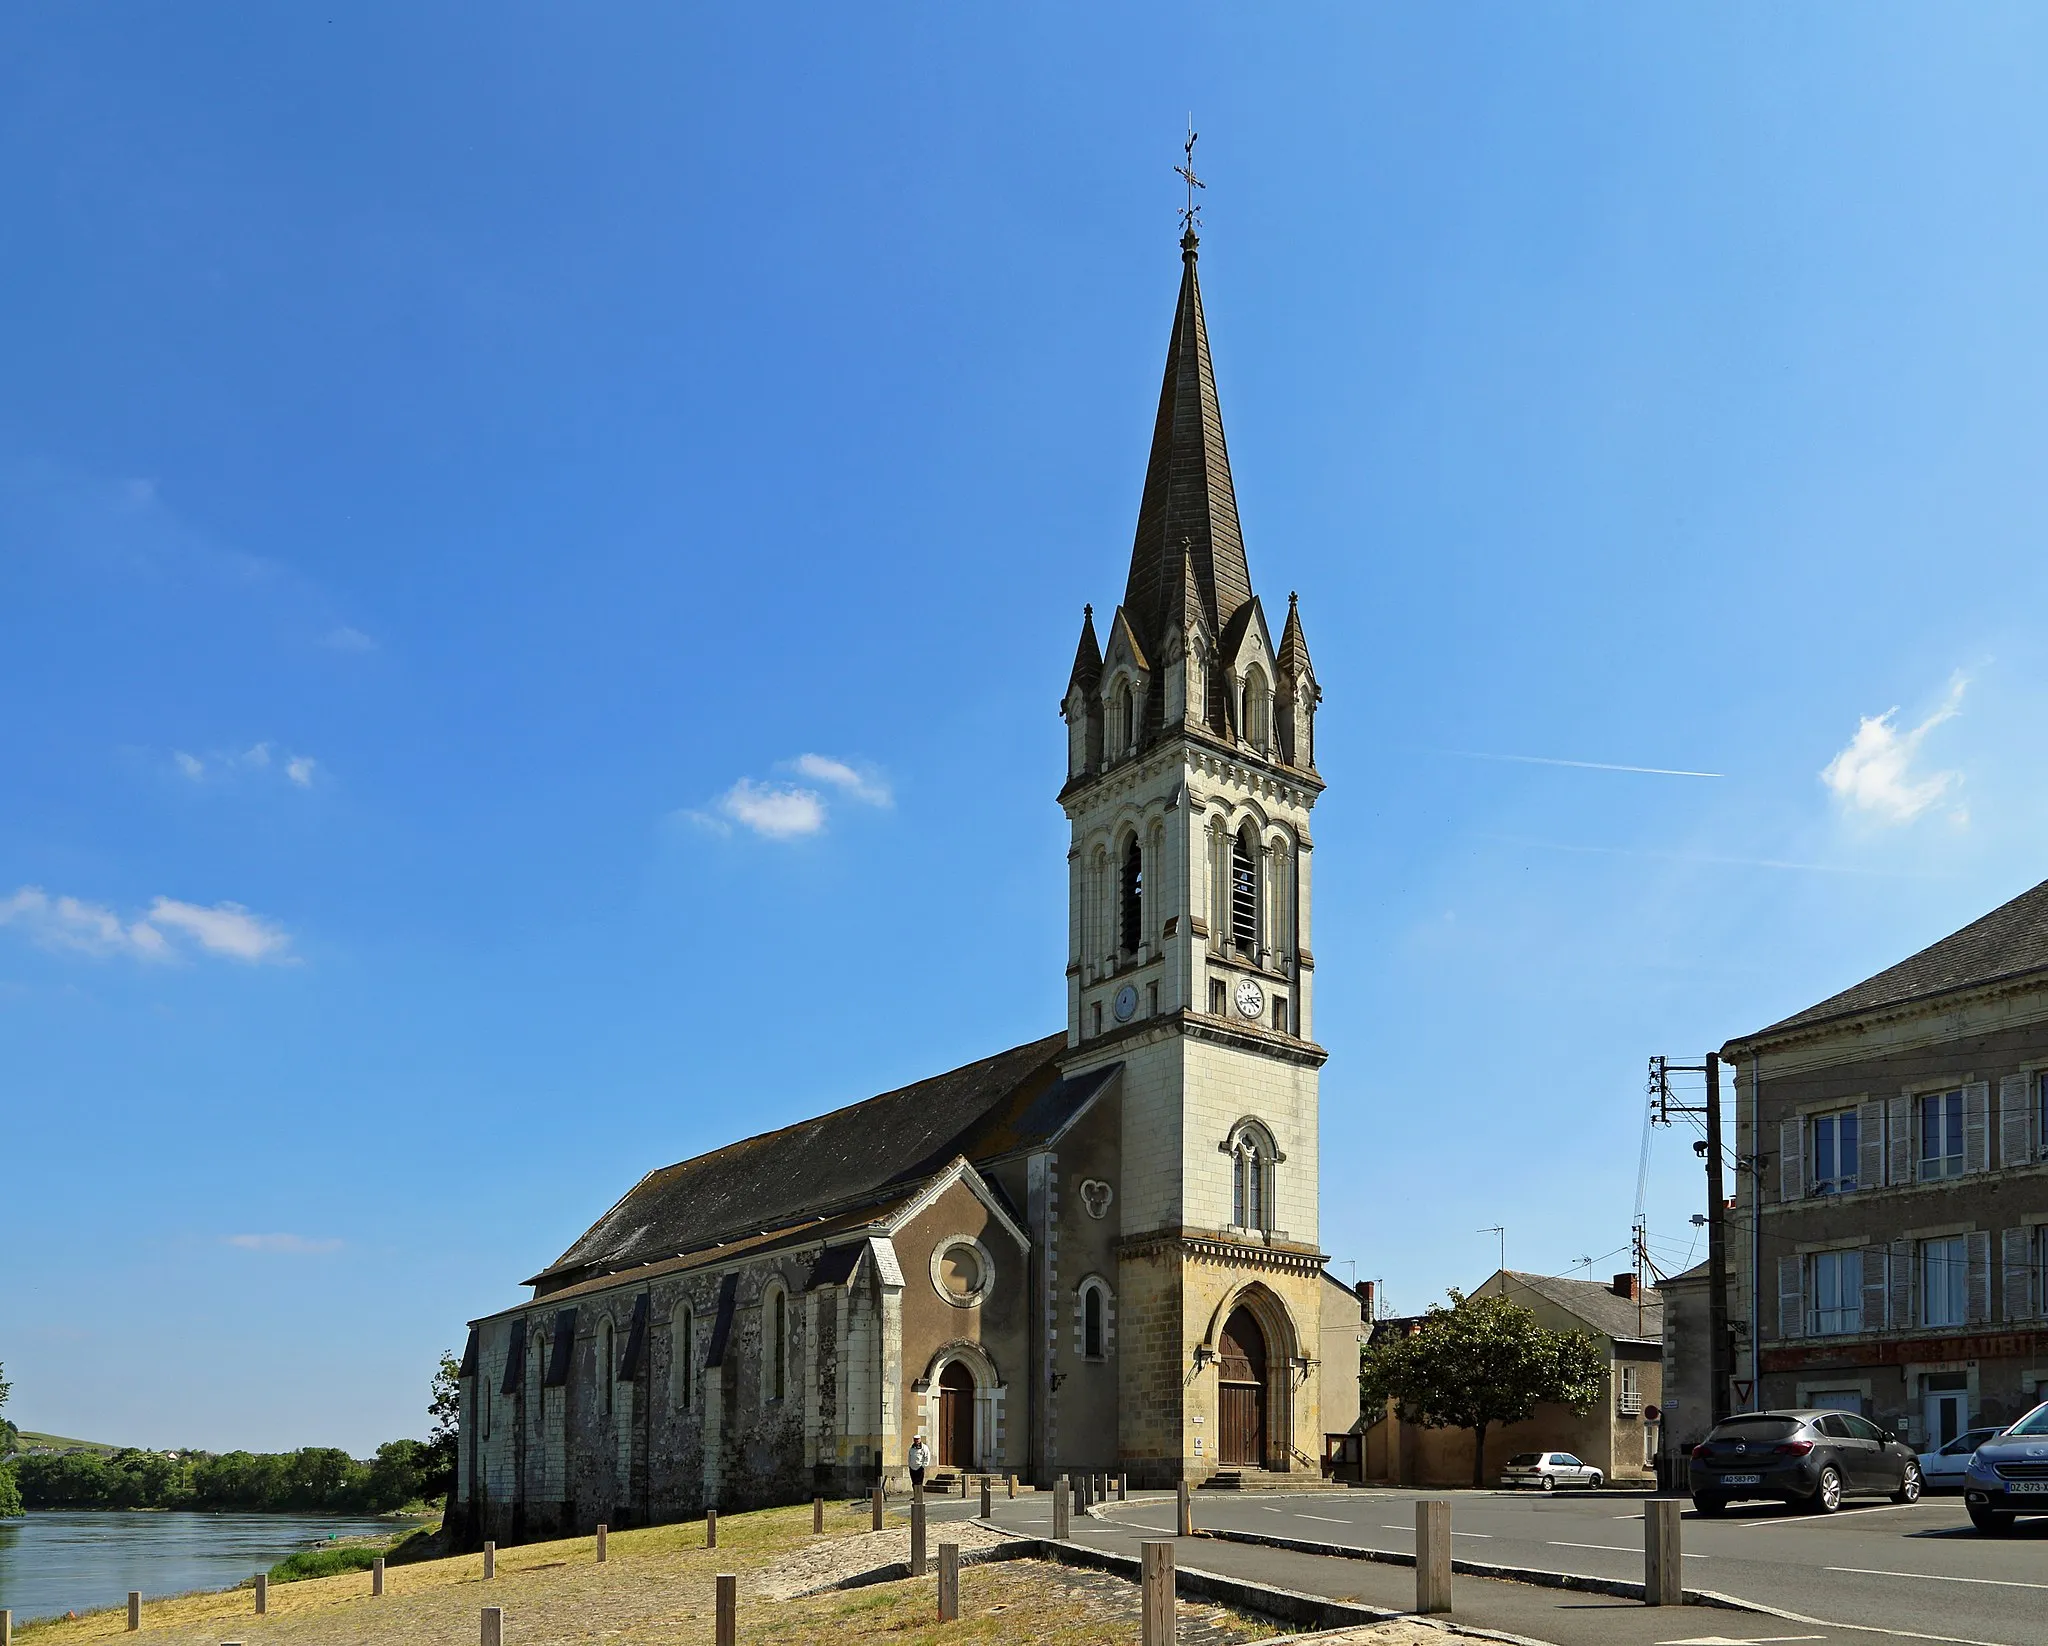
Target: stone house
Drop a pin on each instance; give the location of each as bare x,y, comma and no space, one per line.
1903,1199
1096,1251
1687,1408
1613,1434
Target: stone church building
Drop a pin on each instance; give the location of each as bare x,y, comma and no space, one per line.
1097,1251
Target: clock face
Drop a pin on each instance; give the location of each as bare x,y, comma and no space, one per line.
1126,1002
1251,999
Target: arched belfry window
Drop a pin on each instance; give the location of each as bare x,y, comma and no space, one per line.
1255,708
1131,898
1124,724
1244,894
1253,1166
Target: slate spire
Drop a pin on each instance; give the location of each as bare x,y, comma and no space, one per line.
1189,553
1087,656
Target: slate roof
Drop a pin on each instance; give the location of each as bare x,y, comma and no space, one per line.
814,1175
1188,494
2008,942
1595,1304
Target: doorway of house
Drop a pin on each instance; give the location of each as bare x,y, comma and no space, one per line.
956,1417
1945,1398
1241,1392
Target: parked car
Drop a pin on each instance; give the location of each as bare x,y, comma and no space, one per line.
1943,1469
2008,1475
1548,1471
1810,1458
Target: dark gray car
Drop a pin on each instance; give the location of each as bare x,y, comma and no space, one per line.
1812,1459
2008,1475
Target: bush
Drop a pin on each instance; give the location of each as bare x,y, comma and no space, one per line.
349,1557
10,1493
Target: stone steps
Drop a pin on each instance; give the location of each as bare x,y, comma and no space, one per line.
1263,1480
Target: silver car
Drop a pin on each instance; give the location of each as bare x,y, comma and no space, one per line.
1549,1470
1943,1469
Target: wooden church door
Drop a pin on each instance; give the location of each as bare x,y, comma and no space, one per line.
956,1417
1241,1393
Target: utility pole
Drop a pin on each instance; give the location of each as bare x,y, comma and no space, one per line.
1720,1357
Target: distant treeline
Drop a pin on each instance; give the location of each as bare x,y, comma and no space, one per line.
314,1479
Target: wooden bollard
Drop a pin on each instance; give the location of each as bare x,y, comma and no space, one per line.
728,1609
1013,1485
490,1560
6,1627
1060,1501
1663,1581
262,1593
876,1496
949,1582
377,1576
1187,1511
817,1514
494,1626
1157,1628
134,1610
710,1528
917,1534
1432,1556
986,1494
604,1533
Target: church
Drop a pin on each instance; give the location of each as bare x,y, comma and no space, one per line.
1094,1252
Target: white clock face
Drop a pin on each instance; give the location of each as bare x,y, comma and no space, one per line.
1251,999
1126,1002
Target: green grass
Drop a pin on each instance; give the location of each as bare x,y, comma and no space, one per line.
30,1437
351,1557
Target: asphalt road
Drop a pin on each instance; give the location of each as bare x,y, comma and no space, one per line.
1872,1570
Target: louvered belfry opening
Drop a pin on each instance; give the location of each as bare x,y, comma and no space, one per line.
1131,898
1244,899
1241,1392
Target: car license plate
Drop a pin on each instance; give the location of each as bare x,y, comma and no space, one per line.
1758,1480
2017,1487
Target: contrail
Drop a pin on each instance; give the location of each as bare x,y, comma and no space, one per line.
1584,765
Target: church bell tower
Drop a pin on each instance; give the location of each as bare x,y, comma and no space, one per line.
1191,774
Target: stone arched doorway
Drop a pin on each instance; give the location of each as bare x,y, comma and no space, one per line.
1241,1392
956,1417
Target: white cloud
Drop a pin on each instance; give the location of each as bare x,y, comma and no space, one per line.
342,638
300,770
226,929
190,764
290,1244
92,928
868,787
1874,774
258,757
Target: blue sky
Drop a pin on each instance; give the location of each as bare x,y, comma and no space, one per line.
444,465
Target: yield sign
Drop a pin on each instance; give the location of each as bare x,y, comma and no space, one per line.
1743,1388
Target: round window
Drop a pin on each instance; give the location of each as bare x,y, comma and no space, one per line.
961,1270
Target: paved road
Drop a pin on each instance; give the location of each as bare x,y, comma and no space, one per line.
1872,1570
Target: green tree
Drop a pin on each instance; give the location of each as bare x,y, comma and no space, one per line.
10,1436
10,1492
444,1406
1481,1361
400,1474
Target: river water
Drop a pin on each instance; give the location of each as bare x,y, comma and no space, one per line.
54,1561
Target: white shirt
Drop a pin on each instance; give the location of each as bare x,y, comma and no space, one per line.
920,1455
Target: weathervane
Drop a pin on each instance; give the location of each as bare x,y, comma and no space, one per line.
1190,217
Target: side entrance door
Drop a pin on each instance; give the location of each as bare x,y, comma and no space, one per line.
1241,1393
956,1417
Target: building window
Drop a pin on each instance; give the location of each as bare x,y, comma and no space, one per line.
1131,899
1244,895
682,1358
1252,1158
1941,1135
1126,725
1095,1018
1280,1014
607,1367
778,1344
1944,1282
1834,1152
536,1380
1094,1320
1629,1401
1219,996
1255,709
1837,1292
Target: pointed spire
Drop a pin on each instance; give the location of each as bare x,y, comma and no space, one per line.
1188,559
1087,655
1293,651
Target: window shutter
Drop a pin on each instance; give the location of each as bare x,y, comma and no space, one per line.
1791,1305
2015,1120
2019,1274
1792,1158
1900,1311
1977,1126
1874,1288
1979,1298
1899,1133
1870,1145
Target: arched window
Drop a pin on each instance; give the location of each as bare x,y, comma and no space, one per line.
1252,1163
774,1342
1131,899
1124,723
1094,1335
781,1328
1244,894
682,1357
536,1378
607,1367
1255,708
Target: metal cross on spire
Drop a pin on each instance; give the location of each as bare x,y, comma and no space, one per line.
1190,215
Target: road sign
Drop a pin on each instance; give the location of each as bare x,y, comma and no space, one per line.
1743,1386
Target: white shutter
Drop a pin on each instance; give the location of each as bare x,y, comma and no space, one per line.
1977,1126
1791,1304
1978,1300
1791,1158
1899,1313
1899,1133
1870,1145
2019,1273
2015,1120
1874,1288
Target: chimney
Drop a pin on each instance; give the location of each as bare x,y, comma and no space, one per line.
1366,1302
1625,1286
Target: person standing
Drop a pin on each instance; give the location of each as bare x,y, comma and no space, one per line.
920,1460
